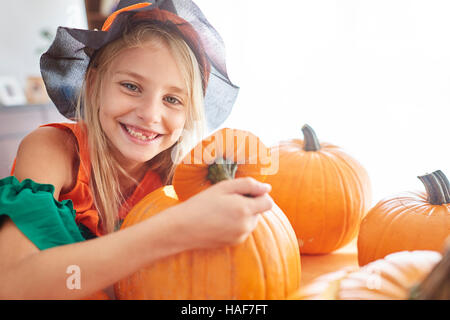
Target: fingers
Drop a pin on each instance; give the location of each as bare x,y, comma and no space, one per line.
257,198
260,204
246,186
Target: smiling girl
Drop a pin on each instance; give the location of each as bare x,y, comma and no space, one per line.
142,92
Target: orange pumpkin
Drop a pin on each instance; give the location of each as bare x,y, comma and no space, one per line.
226,154
265,266
399,276
408,221
323,191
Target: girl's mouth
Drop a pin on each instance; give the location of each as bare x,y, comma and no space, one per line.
138,136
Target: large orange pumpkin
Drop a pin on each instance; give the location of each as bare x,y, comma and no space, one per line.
265,266
408,221
399,276
323,191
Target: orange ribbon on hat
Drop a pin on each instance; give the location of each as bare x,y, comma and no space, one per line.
112,16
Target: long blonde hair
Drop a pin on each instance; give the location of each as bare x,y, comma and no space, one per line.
105,170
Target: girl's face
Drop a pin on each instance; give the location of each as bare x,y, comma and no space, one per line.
143,103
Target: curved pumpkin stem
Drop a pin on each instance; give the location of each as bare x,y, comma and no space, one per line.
436,285
434,189
311,143
222,169
445,184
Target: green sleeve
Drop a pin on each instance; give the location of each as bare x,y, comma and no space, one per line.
42,219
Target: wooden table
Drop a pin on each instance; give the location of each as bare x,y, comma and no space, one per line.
316,265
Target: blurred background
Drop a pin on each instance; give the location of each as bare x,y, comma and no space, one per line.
370,76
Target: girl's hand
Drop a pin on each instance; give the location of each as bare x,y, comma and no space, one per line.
224,214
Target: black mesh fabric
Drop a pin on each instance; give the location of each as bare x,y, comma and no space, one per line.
64,65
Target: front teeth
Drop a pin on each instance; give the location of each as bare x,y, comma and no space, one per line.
140,136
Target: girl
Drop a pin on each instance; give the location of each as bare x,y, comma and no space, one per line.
142,81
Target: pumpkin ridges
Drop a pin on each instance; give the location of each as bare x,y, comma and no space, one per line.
378,280
362,179
379,245
297,218
345,202
282,200
229,256
291,239
284,237
335,173
294,249
394,275
320,285
254,266
184,265
402,218
416,213
309,225
279,233
424,214
278,239
324,203
216,286
187,256
363,252
269,263
198,275
363,284
285,204
358,184
261,262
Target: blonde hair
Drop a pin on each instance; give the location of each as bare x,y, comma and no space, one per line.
105,170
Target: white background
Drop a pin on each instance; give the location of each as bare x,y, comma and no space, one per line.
21,22
370,76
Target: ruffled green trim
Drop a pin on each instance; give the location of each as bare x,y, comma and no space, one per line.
42,219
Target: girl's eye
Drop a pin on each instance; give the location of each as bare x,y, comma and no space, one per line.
172,100
130,86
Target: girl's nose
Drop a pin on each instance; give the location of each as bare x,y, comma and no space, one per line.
150,109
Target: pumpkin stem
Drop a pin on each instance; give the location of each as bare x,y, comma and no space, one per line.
434,189
221,169
311,143
445,184
436,286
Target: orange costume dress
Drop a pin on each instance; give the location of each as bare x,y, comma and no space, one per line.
81,195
